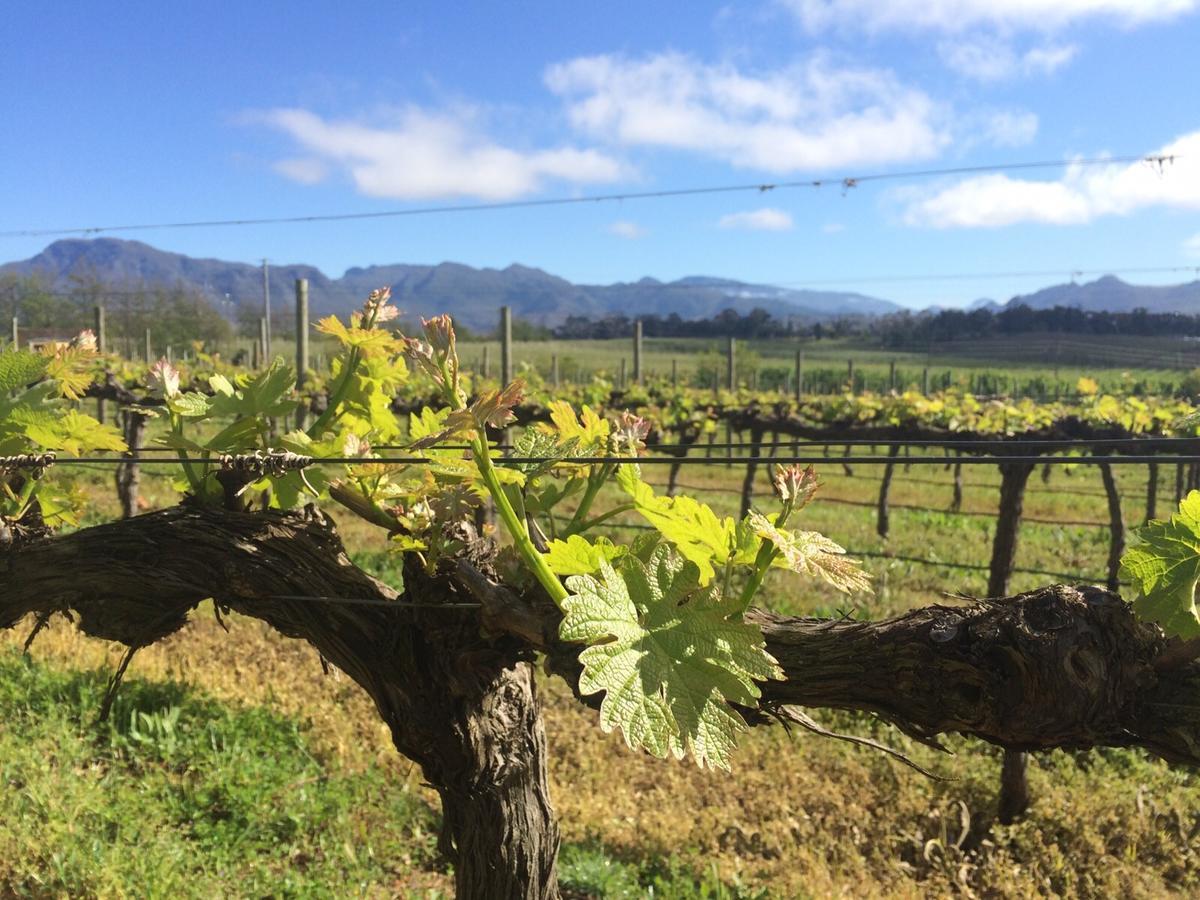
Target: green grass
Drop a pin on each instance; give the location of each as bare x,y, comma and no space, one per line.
1118,363
180,795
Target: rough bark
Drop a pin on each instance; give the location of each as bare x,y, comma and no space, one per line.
1062,667
1116,526
1151,491
128,473
883,517
687,438
461,706
957,499
756,436
1014,790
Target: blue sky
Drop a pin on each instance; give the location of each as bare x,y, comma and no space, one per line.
151,112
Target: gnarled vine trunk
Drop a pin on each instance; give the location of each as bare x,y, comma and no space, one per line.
1065,667
460,705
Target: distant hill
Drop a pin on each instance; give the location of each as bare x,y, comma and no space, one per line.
471,295
1114,295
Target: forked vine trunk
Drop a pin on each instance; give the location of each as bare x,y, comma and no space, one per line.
1061,667
460,705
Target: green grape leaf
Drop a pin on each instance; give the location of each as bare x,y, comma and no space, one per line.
577,556
1165,568
192,405
690,525
669,656
19,368
811,553
75,433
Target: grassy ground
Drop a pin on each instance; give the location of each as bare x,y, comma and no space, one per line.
232,766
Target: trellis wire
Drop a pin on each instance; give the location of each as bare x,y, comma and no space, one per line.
994,459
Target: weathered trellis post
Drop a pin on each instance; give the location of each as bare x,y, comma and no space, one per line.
799,380
637,352
730,364
756,436
850,376
621,380
554,370
925,382
101,347
892,375
301,347
128,473
1116,526
485,364
264,342
1014,784
16,332
1178,482
1151,491
148,349
506,360
883,518
674,372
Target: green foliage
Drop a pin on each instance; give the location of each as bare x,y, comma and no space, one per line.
579,556
696,531
1165,568
669,655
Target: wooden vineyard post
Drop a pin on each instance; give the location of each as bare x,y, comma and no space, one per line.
674,372
16,332
554,370
148,349
1014,786
621,379
892,375
956,500
883,519
264,343
637,352
301,348
506,360
1151,491
728,444
486,364
850,376
756,436
799,385
1178,482
925,382
730,365
128,474
1116,525
101,347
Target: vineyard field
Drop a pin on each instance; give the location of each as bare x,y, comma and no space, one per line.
801,816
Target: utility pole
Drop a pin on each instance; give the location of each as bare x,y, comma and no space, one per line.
266,334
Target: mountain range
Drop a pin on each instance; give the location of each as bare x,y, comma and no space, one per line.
473,295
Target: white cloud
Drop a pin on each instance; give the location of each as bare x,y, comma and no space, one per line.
422,154
305,171
990,58
810,116
956,16
631,231
1192,246
1010,128
765,219
833,228
1081,195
